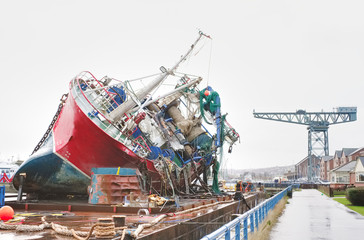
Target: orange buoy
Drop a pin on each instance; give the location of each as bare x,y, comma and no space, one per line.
207,92
6,213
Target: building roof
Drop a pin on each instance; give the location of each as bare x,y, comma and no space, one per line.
306,158
361,159
338,153
346,167
357,150
327,158
348,151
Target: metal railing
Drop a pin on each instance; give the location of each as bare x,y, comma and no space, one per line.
238,228
96,101
2,196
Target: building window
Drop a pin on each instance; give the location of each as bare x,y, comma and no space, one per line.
343,179
360,177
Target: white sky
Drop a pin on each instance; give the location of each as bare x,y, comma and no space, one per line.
266,55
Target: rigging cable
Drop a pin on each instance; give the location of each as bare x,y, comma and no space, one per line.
208,71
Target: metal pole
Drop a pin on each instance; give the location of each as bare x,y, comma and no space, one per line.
309,163
20,190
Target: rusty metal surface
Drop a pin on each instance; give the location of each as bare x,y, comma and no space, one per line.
77,206
112,189
197,224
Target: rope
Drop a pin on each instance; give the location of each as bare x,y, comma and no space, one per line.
26,228
148,225
208,71
102,230
105,230
76,235
32,228
4,226
123,235
62,230
141,78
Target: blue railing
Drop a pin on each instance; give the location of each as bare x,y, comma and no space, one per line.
281,185
238,228
2,196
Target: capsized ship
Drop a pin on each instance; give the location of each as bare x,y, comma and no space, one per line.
151,124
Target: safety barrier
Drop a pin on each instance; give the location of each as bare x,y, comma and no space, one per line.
2,196
238,227
5,179
281,185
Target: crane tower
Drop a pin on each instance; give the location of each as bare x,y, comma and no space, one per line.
317,125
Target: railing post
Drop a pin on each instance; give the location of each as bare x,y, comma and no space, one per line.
270,203
252,222
256,219
260,214
227,234
237,231
246,228
265,210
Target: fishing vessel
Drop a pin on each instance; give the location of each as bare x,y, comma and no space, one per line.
156,125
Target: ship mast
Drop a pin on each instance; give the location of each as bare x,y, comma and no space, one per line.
118,113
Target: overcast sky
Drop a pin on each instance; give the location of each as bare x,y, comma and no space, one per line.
265,55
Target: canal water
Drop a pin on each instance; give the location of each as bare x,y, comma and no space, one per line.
312,215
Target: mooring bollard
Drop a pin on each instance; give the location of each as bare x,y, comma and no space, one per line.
119,220
105,228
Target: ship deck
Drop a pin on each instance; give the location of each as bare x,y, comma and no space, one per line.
193,218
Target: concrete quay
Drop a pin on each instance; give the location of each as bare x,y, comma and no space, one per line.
312,215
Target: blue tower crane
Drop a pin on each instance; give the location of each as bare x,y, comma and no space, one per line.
317,125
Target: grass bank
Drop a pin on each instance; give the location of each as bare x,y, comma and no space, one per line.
322,192
347,203
266,226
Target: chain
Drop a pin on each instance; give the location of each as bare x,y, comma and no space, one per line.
50,127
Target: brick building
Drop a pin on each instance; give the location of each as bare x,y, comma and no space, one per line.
302,167
325,167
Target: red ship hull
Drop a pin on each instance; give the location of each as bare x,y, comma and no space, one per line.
82,143
75,146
